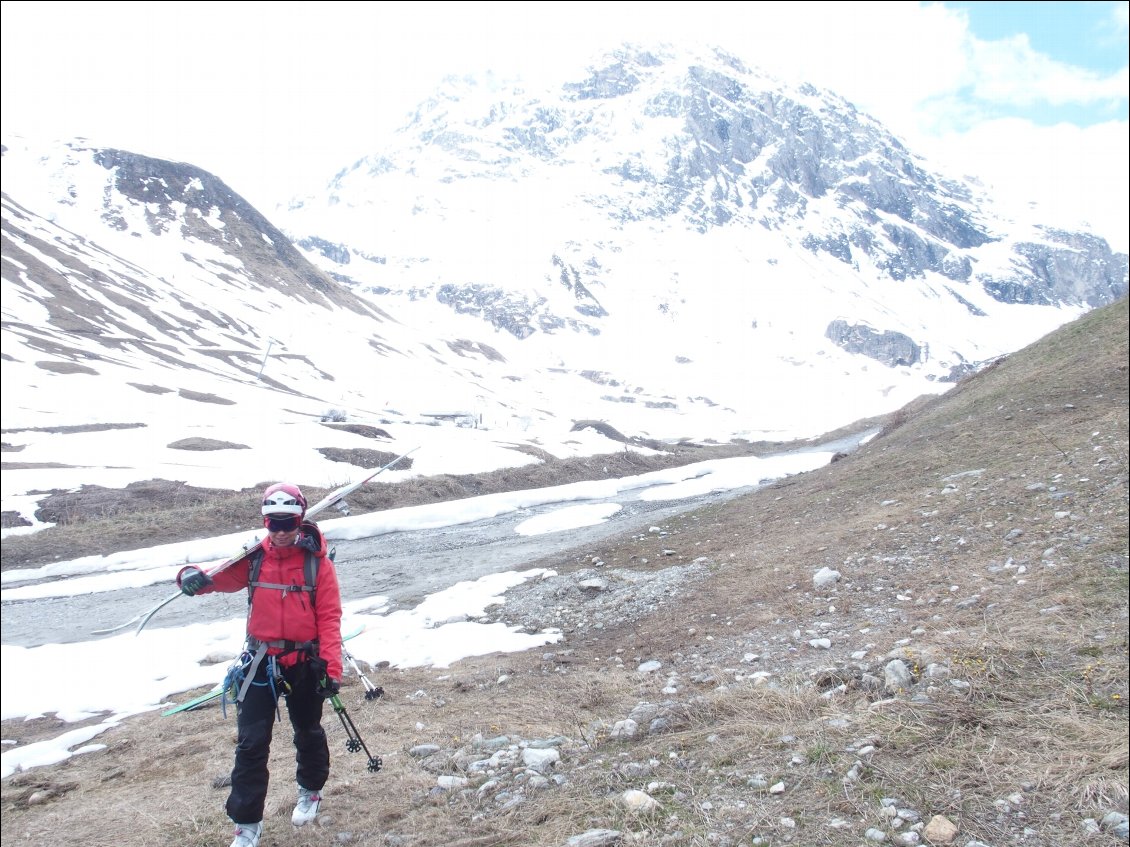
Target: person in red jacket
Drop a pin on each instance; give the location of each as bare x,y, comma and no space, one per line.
293,651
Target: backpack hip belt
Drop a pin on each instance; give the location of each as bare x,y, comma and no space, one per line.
310,647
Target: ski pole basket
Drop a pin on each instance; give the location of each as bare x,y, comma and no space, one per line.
353,742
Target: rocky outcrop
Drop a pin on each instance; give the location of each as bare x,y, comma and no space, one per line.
893,349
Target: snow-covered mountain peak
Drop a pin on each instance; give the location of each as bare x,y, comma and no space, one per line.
653,171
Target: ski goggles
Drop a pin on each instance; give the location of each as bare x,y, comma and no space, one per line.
282,523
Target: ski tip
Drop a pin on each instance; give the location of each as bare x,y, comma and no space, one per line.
144,621
350,632
111,629
194,704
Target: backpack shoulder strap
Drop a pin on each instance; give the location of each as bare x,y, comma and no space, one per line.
255,564
309,574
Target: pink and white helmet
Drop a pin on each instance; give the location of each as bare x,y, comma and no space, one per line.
282,498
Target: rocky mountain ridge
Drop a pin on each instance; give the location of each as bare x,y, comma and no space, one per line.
667,140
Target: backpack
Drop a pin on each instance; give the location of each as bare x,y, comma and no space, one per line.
309,576
309,573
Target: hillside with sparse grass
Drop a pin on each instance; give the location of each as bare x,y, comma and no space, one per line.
924,642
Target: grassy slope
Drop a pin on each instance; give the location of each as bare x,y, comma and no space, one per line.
981,539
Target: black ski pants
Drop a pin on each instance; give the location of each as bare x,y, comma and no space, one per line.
255,722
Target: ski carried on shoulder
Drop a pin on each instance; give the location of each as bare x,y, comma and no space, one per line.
218,691
331,499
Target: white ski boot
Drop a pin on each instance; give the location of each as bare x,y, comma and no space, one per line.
247,834
307,807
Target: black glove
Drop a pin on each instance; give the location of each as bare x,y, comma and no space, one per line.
327,688
192,579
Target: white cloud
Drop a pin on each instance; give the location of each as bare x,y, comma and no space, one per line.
1009,72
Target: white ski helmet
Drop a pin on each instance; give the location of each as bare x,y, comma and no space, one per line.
282,498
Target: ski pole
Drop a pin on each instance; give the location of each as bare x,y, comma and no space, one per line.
353,741
372,692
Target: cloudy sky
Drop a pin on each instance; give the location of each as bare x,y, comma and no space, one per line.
1031,97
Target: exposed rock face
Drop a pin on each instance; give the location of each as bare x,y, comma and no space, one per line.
744,148
1082,270
893,349
522,315
165,186
674,142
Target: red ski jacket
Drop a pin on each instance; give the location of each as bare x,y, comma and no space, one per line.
278,614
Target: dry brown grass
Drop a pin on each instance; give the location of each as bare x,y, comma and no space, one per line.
921,524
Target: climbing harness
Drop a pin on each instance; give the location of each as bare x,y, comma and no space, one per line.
241,676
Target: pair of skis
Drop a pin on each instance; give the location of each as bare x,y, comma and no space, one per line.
331,499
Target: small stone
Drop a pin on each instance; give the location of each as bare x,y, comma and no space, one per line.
639,801
940,830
